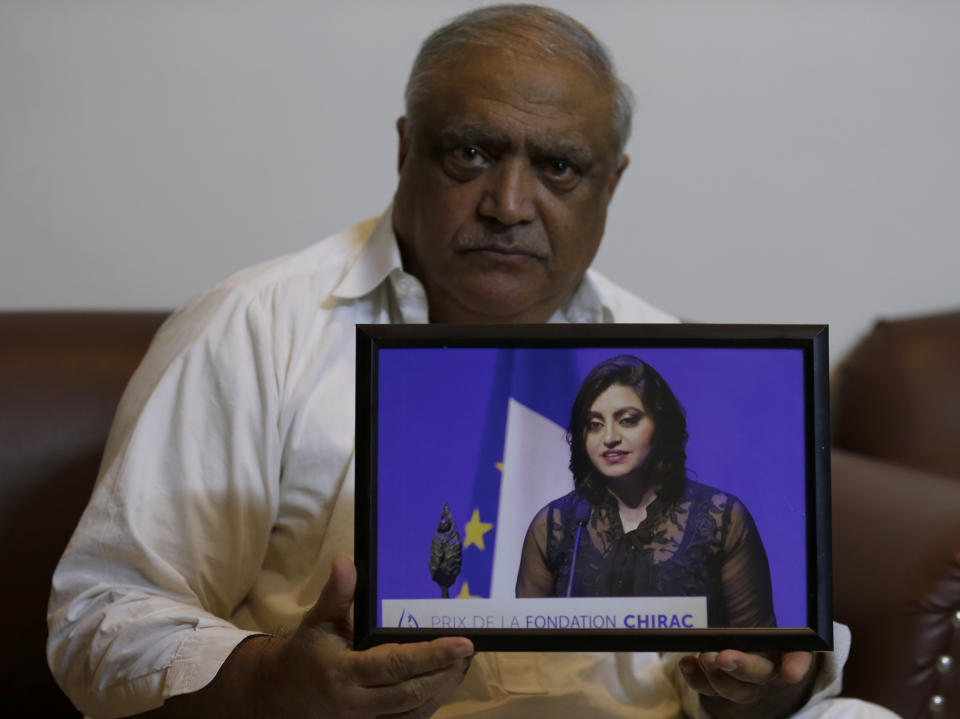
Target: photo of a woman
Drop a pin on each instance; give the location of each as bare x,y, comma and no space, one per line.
635,523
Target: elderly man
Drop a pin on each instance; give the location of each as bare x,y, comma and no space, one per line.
199,580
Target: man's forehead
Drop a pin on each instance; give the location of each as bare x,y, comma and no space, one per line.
495,96
476,64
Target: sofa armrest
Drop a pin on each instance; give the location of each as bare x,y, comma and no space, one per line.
896,563
61,376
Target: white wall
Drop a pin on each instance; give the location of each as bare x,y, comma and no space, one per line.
792,161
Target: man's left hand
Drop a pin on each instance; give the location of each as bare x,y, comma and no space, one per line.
726,679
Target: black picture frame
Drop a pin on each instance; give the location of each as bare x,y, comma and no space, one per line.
414,385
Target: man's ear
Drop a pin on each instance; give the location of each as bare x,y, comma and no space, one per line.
617,174
403,143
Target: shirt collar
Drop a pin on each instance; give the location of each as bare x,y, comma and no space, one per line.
379,259
379,256
585,306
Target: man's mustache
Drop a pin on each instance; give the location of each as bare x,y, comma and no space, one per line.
517,240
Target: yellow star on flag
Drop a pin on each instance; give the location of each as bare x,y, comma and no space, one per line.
465,592
475,531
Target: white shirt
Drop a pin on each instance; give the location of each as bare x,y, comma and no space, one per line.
226,490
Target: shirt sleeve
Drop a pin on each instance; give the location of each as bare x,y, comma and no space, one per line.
179,519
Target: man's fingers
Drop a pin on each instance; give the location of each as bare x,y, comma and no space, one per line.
695,676
419,692
792,667
394,663
706,675
740,677
749,668
333,606
795,666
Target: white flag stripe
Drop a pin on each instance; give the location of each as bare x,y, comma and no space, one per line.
536,471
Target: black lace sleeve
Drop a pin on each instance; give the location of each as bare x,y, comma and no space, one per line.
534,579
746,597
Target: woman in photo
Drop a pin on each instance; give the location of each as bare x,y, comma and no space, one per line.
635,524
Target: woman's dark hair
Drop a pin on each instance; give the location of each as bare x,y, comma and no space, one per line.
668,457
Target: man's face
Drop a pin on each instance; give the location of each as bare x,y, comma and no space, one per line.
506,171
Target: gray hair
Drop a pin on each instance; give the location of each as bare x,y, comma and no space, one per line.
525,30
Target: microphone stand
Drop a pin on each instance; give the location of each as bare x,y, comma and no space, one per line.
583,514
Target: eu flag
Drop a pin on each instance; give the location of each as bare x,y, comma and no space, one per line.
443,422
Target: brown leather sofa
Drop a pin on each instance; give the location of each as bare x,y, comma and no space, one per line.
896,517
896,529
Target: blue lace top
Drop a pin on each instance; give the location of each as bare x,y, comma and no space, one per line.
703,544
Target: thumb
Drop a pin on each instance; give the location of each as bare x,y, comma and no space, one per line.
333,606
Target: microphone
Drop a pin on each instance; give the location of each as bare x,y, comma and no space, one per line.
582,515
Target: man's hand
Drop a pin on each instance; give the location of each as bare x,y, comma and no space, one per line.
314,672
327,678
736,684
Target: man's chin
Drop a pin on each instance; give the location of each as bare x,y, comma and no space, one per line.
494,301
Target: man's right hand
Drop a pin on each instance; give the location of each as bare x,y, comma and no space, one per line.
315,672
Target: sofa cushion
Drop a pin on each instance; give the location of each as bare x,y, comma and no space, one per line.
897,395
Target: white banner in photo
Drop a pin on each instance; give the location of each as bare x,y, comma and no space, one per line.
589,613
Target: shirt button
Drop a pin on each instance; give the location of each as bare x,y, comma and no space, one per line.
403,286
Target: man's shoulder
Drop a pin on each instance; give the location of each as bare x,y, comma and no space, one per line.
280,293
321,264
624,306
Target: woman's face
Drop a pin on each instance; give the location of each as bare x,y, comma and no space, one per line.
619,433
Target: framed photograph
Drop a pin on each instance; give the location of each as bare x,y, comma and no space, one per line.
594,487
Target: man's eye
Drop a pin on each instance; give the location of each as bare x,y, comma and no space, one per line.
469,156
560,175
464,163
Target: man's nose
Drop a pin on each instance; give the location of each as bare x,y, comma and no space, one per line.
509,196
